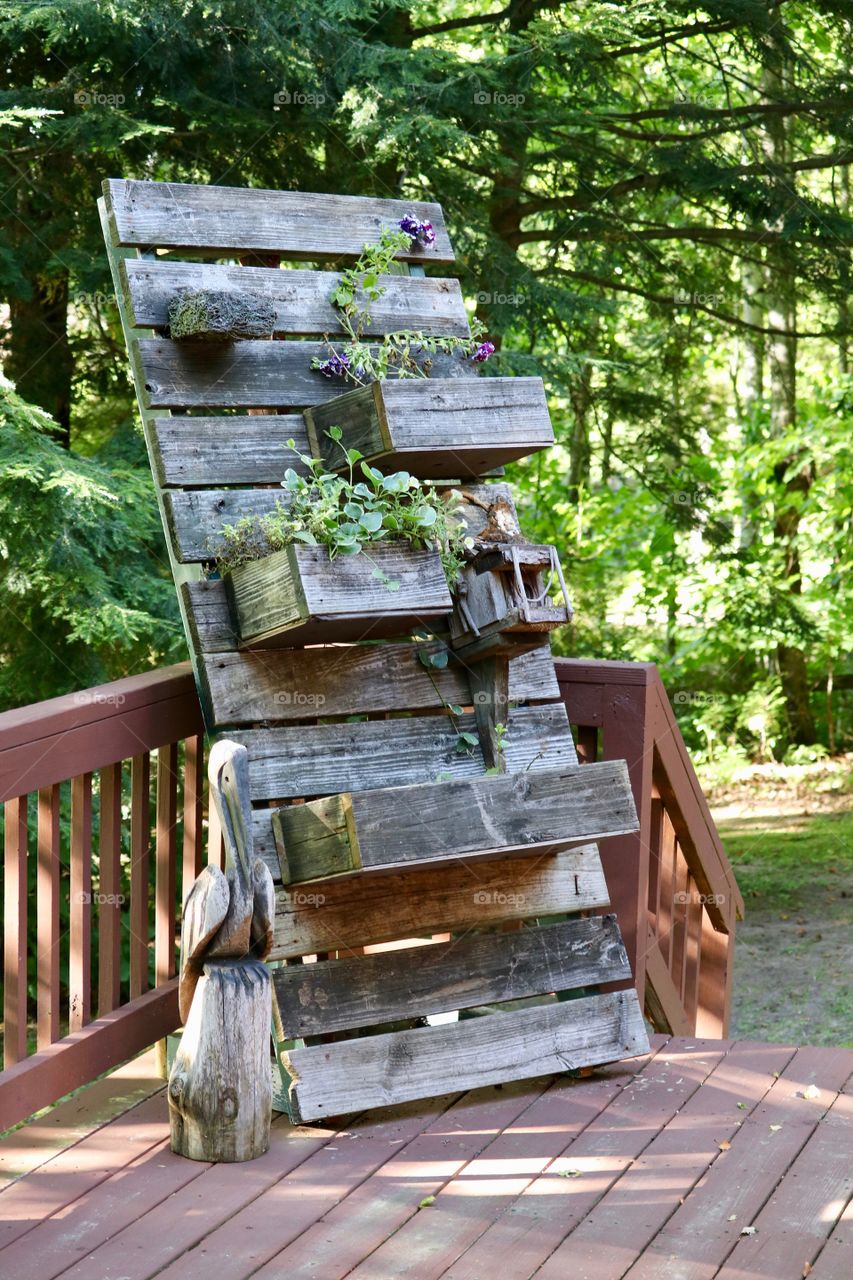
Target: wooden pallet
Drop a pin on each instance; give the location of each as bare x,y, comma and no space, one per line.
500,903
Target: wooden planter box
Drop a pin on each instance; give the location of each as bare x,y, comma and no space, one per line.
437,429
502,605
299,596
396,827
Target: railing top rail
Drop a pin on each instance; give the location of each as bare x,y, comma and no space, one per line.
606,671
60,738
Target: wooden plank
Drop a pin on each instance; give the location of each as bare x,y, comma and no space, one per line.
47,899
300,596
254,374
109,888
140,833
198,450
294,224
833,1262
317,760
357,911
288,685
300,298
80,906
479,968
507,813
663,1000
15,910
716,971
434,428
192,813
333,1079
165,857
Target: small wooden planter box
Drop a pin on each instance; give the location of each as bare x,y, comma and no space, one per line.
299,596
395,827
502,603
436,429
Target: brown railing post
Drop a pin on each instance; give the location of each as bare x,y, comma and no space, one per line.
15,932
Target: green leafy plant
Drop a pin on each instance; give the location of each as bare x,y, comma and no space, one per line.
347,515
407,353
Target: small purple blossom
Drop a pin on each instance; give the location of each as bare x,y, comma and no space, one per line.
422,233
483,352
337,366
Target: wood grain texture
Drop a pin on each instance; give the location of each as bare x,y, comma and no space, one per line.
357,911
301,596
300,299
449,427
333,1079
227,449
294,224
342,680
477,817
478,968
317,760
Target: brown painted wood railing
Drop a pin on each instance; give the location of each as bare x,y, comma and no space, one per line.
126,757
671,884
96,785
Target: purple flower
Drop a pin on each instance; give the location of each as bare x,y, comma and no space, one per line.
483,352
337,366
421,232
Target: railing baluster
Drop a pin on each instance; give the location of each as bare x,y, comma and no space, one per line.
587,743
668,855
48,885
683,887
15,932
655,847
165,852
692,955
193,787
80,927
140,832
110,896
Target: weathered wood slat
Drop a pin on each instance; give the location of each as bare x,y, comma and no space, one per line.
195,516
317,760
300,596
357,911
345,680
295,224
378,1070
248,375
228,449
479,968
478,817
451,427
300,298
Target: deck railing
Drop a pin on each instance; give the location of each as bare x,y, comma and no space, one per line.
671,885
103,835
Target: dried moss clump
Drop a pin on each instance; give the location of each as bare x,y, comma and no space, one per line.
204,316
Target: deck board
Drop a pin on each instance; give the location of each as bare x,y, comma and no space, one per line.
647,1169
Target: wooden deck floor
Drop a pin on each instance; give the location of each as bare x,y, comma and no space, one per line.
707,1159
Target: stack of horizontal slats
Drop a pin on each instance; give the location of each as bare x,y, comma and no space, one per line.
340,720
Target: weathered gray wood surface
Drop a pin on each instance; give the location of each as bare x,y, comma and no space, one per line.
509,813
478,968
227,450
195,516
294,224
383,1069
301,596
300,299
204,911
317,760
344,680
220,1088
357,911
248,375
449,427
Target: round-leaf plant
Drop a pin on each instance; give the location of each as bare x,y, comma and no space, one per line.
348,514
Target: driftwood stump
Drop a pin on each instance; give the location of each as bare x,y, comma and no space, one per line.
220,1087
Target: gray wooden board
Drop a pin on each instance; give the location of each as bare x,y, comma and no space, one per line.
446,427
358,911
334,1079
301,596
196,450
478,968
342,680
248,375
195,516
295,224
318,760
474,817
300,298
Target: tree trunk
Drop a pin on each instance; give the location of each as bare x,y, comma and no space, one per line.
40,361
